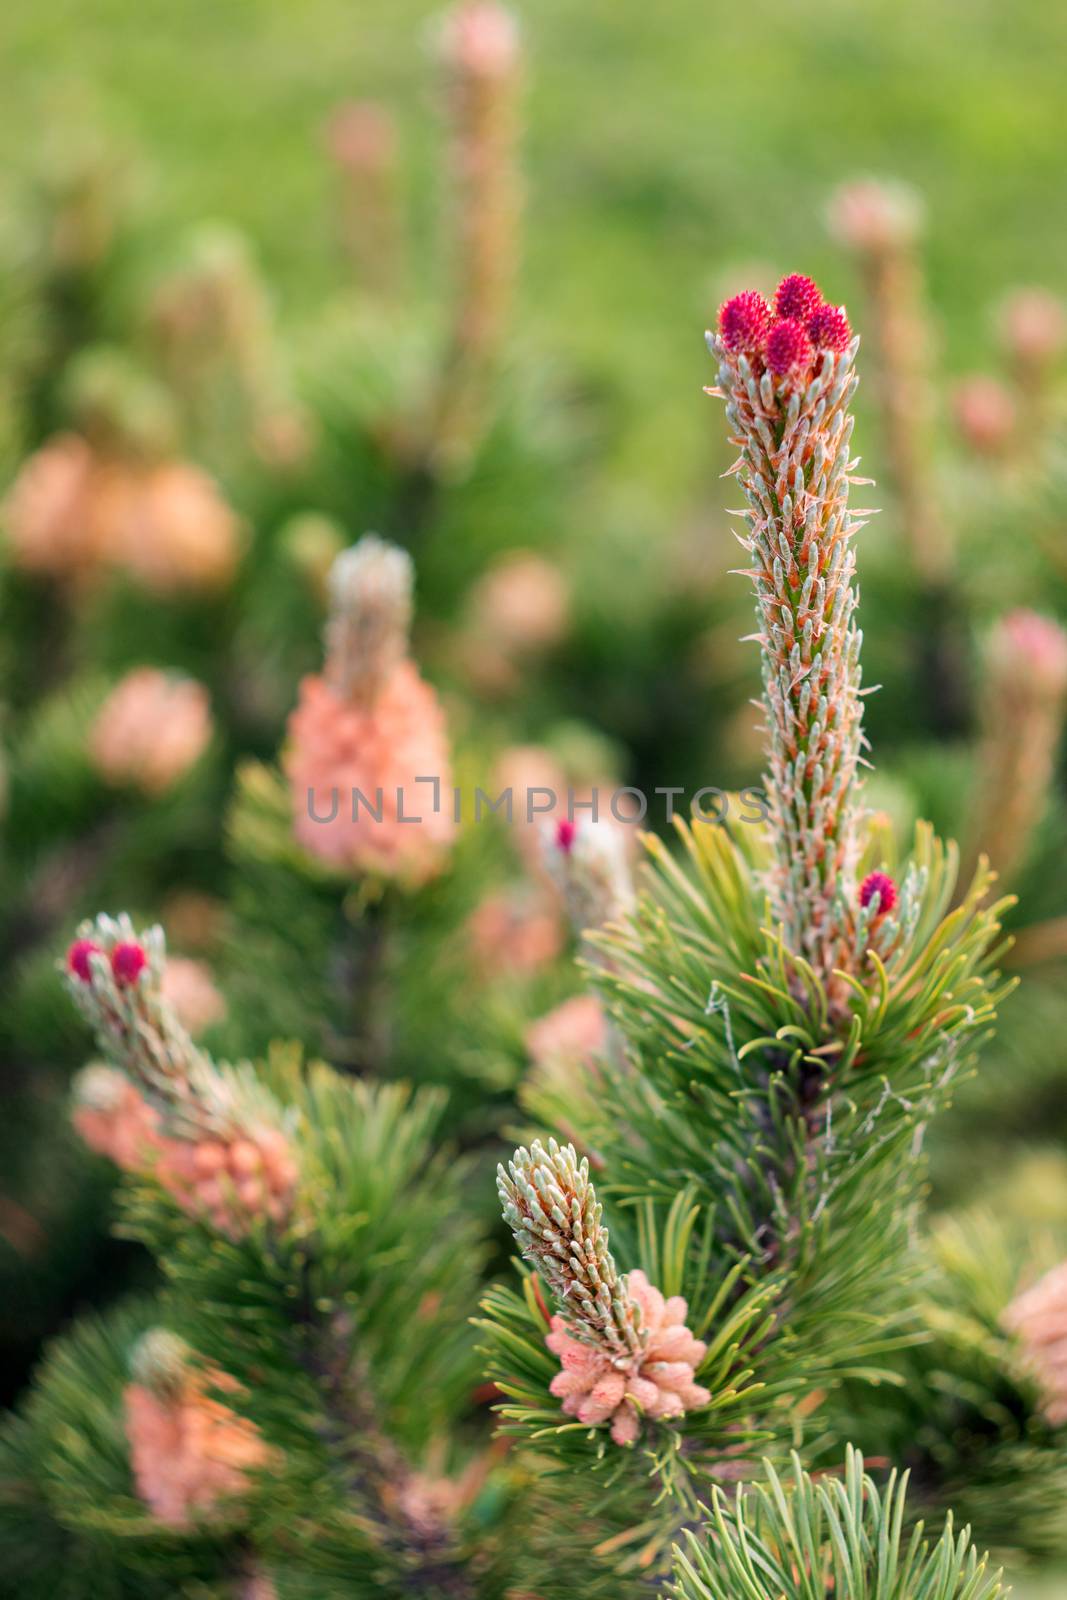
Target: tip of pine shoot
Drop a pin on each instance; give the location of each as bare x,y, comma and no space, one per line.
787,338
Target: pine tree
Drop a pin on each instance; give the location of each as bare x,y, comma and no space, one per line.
718,1199
794,1004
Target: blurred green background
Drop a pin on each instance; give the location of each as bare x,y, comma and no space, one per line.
662,146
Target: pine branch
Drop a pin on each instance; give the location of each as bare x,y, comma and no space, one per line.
802,1539
788,1028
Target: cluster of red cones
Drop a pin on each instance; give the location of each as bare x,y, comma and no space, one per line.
790,334
128,960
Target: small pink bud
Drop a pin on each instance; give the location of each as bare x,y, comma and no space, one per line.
744,320
566,833
986,414
788,346
128,961
882,885
78,958
361,135
482,38
875,217
797,297
1030,651
829,329
151,730
1034,325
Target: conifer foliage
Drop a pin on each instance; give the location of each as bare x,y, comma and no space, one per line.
723,1273
799,1539
794,1004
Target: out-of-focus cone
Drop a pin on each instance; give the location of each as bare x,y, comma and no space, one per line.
361,137
1033,332
986,415
1023,697
880,223
1038,1318
190,1453
480,51
367,758
151,729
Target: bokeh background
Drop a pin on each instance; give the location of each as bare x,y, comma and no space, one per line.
668,157
661,154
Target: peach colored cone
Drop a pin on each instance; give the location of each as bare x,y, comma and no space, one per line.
574,1033
114,1119
656,1383
233,1183
515,933
189,1452
173,531
47,515
337,747
73,511
151,729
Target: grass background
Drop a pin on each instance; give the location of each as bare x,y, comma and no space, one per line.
668,148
